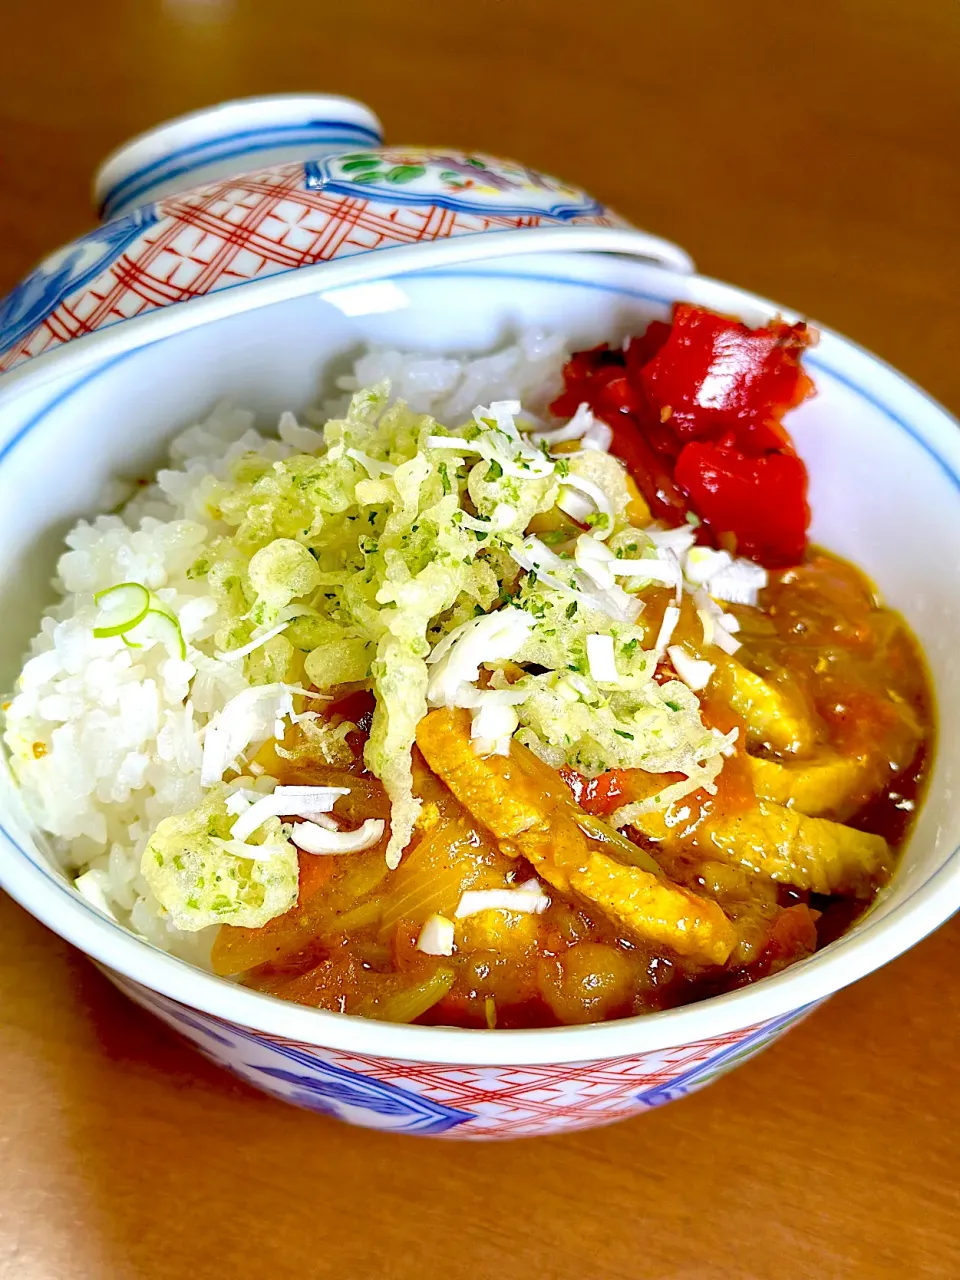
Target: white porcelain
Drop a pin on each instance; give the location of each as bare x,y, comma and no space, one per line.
884,461
241,203
251,133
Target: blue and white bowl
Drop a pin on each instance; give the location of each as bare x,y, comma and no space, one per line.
132,332
251,193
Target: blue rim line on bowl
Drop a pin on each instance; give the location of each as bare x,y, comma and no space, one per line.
245,142
728,1012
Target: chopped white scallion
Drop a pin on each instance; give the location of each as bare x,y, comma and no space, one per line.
312,838
436,936
241,799
597,497
600,657
694,672
492,727
666,571
299,802
671,616
326,821
738,583
470,697
596,560
707,623
703,562
712,620
528,899
730,622
598,436
503,412
724,640
444,645
503,517
530,885
533,556
575,505
532,464
303,439
679,541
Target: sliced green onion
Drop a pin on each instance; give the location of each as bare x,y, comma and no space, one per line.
128,603
157,624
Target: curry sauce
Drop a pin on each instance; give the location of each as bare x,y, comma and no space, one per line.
835,725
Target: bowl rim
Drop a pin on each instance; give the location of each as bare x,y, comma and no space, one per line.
873,943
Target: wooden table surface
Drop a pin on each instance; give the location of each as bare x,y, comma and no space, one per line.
807,152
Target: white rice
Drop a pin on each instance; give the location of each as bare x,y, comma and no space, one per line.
119,730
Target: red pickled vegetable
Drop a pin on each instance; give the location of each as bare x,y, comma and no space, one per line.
713,378
695,407
761,501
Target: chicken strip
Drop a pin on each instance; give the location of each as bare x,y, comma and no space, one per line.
541,826
775,715
808,853
829,785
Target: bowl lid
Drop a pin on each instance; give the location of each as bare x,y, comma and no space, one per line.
187,217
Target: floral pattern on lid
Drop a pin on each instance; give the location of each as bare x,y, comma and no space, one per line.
466,182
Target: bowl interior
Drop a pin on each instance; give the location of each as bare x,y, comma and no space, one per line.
884,462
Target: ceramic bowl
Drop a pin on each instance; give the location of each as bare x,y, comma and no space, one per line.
250,193
885,469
